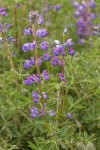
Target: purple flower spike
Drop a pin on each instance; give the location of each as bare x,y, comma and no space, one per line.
28,31
52,113
41,21
69,42
47,57
69,115
34,112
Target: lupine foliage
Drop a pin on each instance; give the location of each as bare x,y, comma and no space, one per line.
49,83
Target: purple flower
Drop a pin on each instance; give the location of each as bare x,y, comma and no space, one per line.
12,39
55,61
28,31
81,41
35,96
49,7
56,51
26,47
17,6
40,61
41,21
45,75
44,45
81,23
41,33
77,14
81,9
93,16
45,95
3,13
47,57
27,64
29,81
29,46
63,53
2,9
34,112
61,62
33,61
69,42
92,4
84,4
7,25
42,113
62,77
36,78
69,115
57,7
0,27
75,4
71,51
33,16
52,113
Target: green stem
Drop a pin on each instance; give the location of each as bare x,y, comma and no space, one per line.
62,88
37,66
10,60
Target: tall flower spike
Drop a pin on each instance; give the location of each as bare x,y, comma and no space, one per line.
39,96
84,23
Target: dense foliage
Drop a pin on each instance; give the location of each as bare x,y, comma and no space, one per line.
49,80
